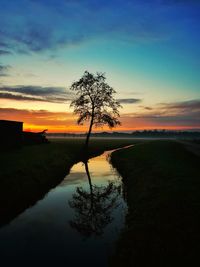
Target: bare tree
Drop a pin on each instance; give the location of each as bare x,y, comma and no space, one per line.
95,102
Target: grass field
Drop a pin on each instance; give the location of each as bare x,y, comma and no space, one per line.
28,173
162,185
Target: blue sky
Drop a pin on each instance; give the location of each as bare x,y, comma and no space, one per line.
149,51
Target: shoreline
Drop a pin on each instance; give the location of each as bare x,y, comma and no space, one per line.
29,173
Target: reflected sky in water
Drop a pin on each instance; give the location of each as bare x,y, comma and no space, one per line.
43,233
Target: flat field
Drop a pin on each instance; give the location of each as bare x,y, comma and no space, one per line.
162,186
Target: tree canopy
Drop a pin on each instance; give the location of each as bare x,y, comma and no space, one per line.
95,101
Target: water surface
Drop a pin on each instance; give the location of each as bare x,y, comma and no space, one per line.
75,224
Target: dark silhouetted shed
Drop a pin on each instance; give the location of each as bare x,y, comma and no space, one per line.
11,133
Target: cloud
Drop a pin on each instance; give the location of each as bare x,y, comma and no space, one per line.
35,90
129,100
162,116
182,108
38,120
35,38
37,117
4,46
177,114
18,97
4,52
190,105
146,108
36,93
4,70
36,26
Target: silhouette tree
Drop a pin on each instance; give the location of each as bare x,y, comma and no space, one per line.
93,208
95,102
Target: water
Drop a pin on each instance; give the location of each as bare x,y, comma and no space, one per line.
75,224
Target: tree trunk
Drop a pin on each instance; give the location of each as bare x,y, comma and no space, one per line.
89,132
90,183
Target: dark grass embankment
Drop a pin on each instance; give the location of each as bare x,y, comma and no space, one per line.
162,184
28,173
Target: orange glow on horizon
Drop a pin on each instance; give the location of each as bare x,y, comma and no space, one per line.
83,129
65,122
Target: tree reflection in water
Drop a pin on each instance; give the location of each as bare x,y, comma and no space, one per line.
93,208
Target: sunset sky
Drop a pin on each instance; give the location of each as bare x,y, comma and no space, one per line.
149,50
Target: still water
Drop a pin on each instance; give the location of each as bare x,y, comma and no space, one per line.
75,224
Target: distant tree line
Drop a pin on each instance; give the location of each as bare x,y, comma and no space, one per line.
137,134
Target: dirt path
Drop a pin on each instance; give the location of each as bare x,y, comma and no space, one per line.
192,147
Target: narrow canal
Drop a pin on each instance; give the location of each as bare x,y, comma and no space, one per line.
75,224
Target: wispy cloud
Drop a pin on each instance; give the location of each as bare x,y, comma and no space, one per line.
160,117
63,23
35,90
35,93
175,109
146,107
37,117
19,97
28,98
129,100
40,119
4,52
176,114
183,106
4,70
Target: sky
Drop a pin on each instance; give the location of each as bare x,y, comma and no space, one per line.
148,49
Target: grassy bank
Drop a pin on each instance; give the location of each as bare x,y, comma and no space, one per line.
28,173
162,184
